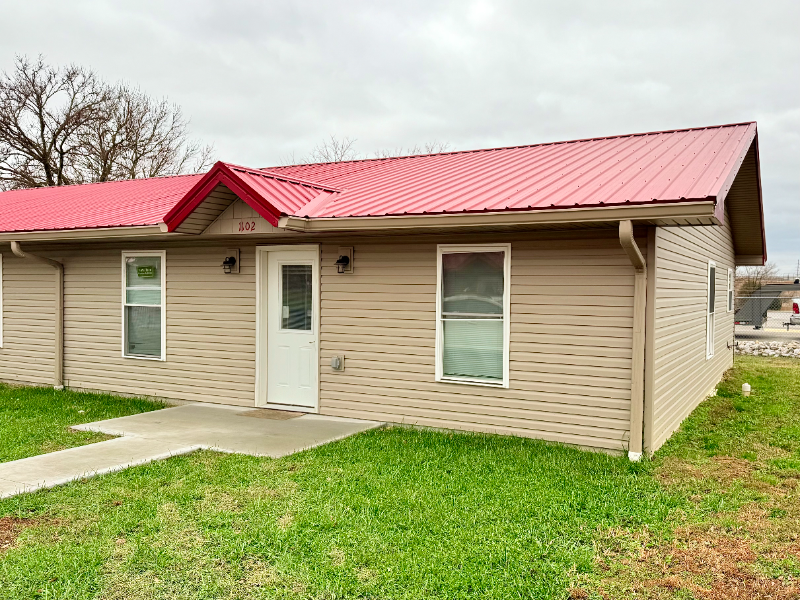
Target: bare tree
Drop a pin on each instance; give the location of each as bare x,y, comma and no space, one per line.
434,147
141,137
334,150
42,111
749,279
62,126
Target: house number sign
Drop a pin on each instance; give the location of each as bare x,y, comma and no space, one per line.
245,226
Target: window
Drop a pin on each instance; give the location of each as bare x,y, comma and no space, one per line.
472,314
143,294
731,286
711,297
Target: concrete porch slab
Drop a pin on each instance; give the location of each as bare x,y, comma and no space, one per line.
170,432
231,429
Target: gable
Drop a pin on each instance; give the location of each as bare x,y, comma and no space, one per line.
239,218
743,207
269,194
219,200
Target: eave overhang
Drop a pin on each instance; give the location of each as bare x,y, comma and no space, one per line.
699,212
97,233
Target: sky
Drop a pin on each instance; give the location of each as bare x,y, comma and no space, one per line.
265,81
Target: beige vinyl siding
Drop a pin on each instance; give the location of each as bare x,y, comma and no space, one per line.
682,376
743,201
570,356
238,212
570,346
28,321
208,210
210,321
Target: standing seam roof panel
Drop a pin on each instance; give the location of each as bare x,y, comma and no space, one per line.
639,168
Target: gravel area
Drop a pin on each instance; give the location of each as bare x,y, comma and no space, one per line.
755,348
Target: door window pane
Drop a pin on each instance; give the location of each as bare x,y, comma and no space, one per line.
143,330
296,297
473,349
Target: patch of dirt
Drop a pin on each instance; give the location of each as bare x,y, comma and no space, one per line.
675,470
723,469
712,565
337,556
709,562
728,468
286,521
766,453
217,501
9,531
728,562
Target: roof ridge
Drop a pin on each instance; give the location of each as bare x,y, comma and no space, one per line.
475,150
281,177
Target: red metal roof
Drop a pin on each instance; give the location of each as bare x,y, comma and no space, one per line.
112,204
670,166
270,194
644,168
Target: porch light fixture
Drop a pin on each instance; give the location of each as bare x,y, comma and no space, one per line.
228,264
231,262
342,263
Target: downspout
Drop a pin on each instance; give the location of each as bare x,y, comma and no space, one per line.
628,243
58,368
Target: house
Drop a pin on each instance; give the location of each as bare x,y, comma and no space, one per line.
579,292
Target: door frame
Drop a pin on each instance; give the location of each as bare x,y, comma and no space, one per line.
262,330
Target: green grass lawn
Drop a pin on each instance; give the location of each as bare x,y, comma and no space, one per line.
36,420
399,513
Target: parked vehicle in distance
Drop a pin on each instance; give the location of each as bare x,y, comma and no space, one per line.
794,319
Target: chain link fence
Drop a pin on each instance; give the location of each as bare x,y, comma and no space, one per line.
768,323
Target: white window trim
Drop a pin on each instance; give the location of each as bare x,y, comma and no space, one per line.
710,315
452,249
729,299
144,253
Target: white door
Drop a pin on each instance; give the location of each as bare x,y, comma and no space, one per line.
292,332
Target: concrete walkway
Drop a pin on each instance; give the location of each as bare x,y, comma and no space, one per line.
172,431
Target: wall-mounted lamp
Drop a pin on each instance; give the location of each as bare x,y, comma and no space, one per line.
231,262
344,264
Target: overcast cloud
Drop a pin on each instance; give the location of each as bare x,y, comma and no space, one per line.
263,80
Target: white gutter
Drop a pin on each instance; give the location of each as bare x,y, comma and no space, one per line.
628,243
58,368
700,212
97,233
